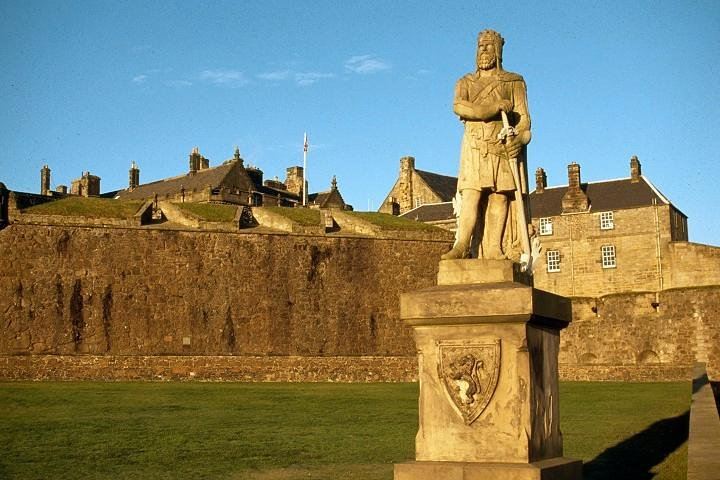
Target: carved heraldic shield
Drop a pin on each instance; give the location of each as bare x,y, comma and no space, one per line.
469,372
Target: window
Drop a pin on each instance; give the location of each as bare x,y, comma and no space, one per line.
546,226
608,256
418,201
553,260
606,221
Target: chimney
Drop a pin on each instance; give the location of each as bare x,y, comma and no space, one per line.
635,169
45,180
294,180
575,200
407,166
540,180
194,160
574,175
133,176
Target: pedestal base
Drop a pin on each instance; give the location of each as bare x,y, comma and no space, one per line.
551,469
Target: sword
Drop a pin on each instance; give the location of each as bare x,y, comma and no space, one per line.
526,256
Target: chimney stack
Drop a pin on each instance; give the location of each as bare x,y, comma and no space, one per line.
134,176
407,166
635,169
45,180
540,180
194,160
575,200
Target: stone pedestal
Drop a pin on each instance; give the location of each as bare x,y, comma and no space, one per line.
487,346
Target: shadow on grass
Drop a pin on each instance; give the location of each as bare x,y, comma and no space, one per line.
633,458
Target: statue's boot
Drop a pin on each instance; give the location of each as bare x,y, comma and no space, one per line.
459,251
466,225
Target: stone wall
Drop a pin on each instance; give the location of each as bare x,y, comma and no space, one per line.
692,264
209,367
643,336
122,303
84,290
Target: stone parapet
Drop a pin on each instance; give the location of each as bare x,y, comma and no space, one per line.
209,368
625,373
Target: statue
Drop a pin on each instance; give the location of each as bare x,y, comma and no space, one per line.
492,104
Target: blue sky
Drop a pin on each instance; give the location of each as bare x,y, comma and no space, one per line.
95,85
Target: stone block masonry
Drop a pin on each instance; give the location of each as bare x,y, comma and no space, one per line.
116,291
128,303
209,368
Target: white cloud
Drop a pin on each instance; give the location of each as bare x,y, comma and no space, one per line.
365,64
308,78
139,78
178,83
274,76
230,78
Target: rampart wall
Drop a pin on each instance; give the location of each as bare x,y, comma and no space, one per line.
126,303
84,290
643,336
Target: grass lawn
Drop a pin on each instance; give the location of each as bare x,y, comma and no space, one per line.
91,207
391,222
278,431
301,216
211,212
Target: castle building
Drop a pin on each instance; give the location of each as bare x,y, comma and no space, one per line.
597,238
231,182
415,188
85,186
607,236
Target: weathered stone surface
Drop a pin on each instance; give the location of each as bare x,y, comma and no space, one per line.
492,105
84,290
464,272
124,291
552,469
487,368
624,337
209,367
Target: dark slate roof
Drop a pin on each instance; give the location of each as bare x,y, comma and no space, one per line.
209,177
604,196
443,185
323,199
430,212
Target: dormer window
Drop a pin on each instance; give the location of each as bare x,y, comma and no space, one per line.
607,221
546,226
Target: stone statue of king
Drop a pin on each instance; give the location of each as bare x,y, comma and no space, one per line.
492,182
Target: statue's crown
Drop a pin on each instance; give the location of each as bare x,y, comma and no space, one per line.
491,36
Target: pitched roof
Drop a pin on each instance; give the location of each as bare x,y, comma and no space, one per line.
604,195
209,177
443,185
328,198
431,212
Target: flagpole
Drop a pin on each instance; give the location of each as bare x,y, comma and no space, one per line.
305,149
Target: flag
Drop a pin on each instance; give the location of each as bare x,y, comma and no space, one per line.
305,145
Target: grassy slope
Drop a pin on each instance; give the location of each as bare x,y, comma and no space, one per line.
391,222
211,212
302,216
88,207
288,431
